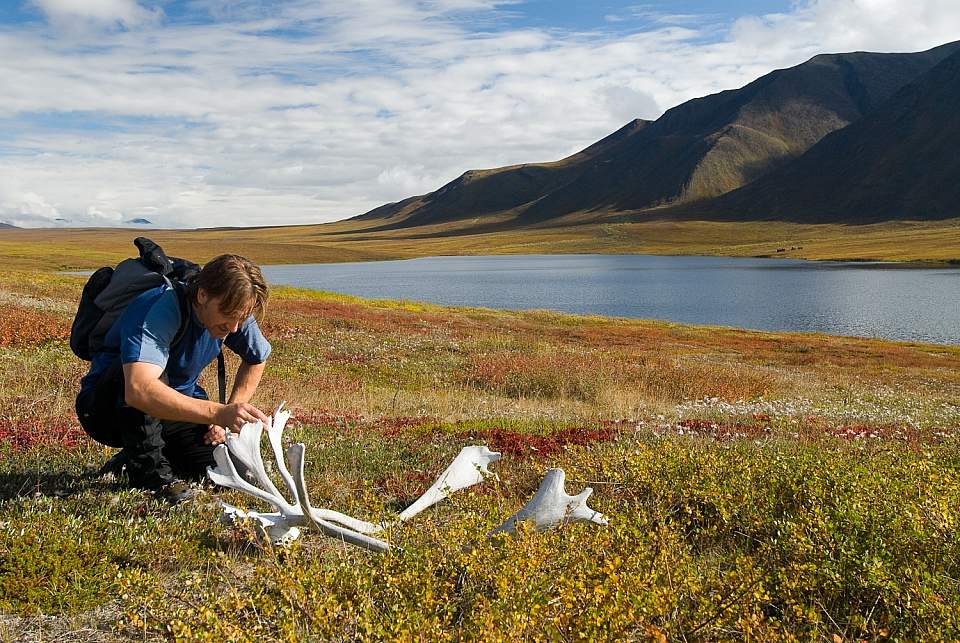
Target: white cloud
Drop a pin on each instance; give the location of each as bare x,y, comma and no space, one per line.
626,103
65,13
310,111
850,25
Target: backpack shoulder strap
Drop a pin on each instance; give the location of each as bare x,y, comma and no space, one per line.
180,289
222,377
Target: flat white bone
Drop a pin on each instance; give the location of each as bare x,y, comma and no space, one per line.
225,475
551,506
467,469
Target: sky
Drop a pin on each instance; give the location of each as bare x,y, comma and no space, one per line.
199,113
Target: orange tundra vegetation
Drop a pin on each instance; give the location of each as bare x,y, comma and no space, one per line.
20,326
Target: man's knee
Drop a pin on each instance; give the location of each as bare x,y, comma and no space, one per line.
99,424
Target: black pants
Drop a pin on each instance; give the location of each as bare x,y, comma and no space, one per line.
158,451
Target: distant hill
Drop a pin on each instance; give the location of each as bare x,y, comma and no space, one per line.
899,162
480,192
139,222
700,149
6,225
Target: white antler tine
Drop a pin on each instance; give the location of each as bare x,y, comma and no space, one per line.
361,526
581,512
275,437
295,460
467,469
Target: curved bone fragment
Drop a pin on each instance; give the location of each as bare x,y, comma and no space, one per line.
466,470
551,506
225,474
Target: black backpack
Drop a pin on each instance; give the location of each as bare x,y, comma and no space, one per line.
109,290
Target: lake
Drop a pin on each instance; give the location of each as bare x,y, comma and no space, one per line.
864,299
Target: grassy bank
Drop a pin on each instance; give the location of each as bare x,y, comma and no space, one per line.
759,485
933,242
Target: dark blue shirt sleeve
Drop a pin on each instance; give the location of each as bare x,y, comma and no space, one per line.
249,343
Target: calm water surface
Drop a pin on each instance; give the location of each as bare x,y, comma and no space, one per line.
871,300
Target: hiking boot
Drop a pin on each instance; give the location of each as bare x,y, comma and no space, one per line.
176,492
115,466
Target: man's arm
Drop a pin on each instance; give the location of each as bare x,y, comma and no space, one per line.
144,391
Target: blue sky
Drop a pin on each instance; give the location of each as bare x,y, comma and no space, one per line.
574,15
244,112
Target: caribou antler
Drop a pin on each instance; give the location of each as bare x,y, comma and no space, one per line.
468,468
551,506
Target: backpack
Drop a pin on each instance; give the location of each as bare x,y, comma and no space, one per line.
108,291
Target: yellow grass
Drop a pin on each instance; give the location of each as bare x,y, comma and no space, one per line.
358,241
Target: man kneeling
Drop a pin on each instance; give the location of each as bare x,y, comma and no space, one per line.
142,391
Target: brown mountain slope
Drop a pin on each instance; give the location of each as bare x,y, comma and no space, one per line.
479,192
899,162
700,149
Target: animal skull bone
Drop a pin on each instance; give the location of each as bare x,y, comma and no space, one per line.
549,507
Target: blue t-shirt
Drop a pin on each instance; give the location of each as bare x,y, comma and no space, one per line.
147,327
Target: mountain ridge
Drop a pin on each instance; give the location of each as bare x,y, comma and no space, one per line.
897,162
697,151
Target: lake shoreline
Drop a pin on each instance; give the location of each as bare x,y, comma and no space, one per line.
863,299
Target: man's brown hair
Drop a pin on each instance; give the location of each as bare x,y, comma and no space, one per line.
237,281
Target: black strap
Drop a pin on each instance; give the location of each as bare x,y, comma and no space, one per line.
181,289
222,377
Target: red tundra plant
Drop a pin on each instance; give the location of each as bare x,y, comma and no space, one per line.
26,432
910,435
30,327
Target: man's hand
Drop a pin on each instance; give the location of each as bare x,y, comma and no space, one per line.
234,416
215,435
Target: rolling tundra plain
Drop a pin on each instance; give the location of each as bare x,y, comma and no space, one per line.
761,485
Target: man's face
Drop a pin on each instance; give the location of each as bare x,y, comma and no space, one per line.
217,323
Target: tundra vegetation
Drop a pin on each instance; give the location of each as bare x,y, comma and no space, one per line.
759,485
